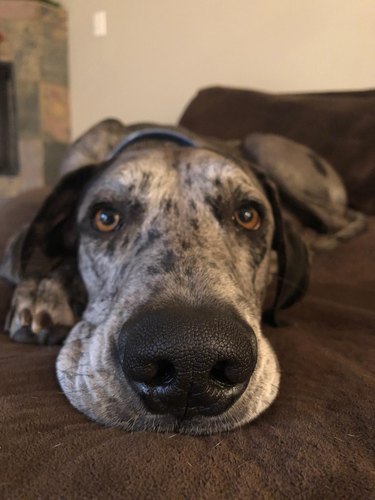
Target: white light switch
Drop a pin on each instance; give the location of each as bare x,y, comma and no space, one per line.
100,23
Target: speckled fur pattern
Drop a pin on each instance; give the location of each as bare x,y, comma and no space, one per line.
159,260
178,244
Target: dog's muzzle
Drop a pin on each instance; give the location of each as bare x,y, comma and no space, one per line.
187,361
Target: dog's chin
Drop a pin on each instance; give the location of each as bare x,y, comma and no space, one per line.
98,391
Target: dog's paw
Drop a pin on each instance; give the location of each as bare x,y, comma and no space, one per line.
40,313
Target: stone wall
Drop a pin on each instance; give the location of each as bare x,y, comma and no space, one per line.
34,38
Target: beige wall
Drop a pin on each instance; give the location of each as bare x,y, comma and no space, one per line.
159,52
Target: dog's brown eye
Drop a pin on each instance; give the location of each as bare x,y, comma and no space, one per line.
249,218
106,220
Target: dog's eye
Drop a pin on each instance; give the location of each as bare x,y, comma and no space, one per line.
248,217
106,220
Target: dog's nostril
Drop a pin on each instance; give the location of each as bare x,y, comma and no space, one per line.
226,373
155,373
219,374
165,373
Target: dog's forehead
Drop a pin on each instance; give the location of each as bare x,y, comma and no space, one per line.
166,168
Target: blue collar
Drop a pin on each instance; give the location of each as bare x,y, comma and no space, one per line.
155,133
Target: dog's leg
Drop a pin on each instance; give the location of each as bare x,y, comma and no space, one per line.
44,311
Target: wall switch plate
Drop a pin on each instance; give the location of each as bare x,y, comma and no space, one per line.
100,23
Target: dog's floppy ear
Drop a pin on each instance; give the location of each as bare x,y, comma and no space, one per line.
292,259
94,146
309,186
52,235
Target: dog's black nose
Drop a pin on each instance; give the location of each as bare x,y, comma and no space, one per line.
185,361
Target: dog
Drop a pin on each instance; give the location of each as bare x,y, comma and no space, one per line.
150,261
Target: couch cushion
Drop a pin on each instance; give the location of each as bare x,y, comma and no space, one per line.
338,125
316,441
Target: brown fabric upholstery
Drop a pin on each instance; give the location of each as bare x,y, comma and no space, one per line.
340,126
316,441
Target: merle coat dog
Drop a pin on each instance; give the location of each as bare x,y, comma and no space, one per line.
150,261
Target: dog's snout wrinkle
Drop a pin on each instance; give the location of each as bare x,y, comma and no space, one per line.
188,361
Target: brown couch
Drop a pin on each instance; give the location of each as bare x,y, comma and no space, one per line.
316,441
